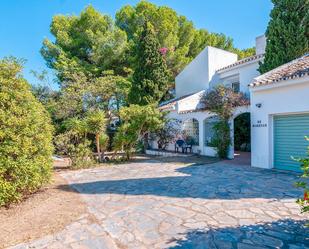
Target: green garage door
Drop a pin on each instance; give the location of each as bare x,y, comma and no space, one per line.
289,133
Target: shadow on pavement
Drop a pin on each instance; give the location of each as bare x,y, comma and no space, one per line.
285,233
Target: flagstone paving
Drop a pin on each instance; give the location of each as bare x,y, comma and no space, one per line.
157,204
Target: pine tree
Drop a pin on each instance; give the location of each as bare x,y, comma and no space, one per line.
287,33
151,76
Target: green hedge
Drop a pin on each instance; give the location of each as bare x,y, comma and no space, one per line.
25,136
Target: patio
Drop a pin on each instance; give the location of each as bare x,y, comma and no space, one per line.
172,204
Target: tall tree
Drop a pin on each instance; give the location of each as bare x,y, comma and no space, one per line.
151,76
287,33
85,48
89,43
175,33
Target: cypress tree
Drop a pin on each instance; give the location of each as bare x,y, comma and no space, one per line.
151,76
287,33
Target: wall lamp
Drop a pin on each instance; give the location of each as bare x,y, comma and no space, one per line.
258,105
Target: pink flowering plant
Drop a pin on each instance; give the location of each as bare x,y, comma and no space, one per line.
163,50
222,101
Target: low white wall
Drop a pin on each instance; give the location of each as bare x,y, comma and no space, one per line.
287,97
210,151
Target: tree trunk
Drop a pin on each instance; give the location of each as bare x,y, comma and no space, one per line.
145,142
97,139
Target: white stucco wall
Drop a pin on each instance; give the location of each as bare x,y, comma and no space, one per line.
197,74
200,117
260,44
244,73
191,103
287,97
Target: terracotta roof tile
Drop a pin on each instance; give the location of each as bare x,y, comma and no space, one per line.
243,61
294,69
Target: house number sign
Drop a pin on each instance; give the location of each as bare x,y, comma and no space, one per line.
259,124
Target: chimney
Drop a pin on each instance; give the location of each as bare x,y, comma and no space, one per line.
260,44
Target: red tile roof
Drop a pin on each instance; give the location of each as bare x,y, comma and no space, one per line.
243,61
295,69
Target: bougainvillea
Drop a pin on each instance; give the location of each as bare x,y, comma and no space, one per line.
163,51
223,100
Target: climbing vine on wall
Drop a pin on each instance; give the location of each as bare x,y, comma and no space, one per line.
223,100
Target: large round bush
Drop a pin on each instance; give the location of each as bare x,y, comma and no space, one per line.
25,136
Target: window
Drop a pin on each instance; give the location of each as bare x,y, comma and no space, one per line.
236,87
190,131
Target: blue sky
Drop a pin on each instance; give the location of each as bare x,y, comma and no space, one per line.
24,24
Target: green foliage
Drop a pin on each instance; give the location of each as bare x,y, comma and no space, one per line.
242,132
25,136
167,133
151,76
287,33
111,90
89,43
93,57
49,98
88,56
244,53
73,141
221,139
74,144
81,155
104,141
222,101
77,126
174,32
203,38
304,202
96,124
137,122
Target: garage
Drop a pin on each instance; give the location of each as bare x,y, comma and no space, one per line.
280,116
289,140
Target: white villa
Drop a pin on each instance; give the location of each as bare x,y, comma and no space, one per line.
279,109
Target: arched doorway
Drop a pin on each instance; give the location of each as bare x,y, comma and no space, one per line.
242,138
190,131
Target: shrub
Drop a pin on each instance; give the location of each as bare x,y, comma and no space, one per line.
222,100
168,133
81,155
137,123
76,146
221,139
304,201
25,136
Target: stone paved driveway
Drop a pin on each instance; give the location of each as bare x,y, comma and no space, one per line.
167,205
